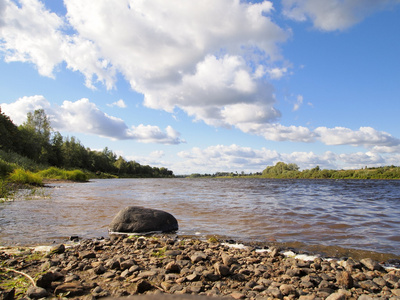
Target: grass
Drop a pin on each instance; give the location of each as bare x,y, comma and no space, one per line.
5,191
19,161
61,174
160,253
9,281
25,177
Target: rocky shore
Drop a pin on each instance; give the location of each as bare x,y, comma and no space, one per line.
156,266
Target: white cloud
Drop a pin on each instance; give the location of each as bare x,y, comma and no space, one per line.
30,34
365,136
277,73
330,15
18,110
85,117
278,132
368,137
224,158
234,158
204,69
120,103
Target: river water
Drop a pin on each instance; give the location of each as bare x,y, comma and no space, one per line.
359,214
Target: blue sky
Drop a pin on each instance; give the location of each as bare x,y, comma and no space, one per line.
208,86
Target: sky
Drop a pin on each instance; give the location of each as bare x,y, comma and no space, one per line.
213,85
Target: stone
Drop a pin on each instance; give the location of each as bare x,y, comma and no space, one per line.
126,264
344,280
221,269
193,277
337,296
7,295
371,264
36,292
57,249
287,289
87,254
172,267
198,256
45,280
70,288
142,286
228,260
237,295
136,219
369,285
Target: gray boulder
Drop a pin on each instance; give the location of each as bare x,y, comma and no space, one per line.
136,219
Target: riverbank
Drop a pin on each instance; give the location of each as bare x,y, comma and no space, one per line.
123,266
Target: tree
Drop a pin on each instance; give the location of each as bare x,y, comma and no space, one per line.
35,134
10,138
280,169
39,123
120,164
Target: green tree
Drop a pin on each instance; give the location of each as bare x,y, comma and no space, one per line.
10,138
35,133
74,154
120,164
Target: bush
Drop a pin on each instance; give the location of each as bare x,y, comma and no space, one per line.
6,168
54,173
25,177
77,175
4,190
19,160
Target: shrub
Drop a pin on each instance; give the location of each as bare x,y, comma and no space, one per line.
54,173
6,168
5,191
19,160
25,177
77,175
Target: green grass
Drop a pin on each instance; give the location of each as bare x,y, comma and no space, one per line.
25,177
60,174
19,161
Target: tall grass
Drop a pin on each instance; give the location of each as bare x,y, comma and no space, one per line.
6,168
25,177
60,174
21,161
5,191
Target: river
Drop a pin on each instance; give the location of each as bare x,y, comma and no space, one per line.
348,214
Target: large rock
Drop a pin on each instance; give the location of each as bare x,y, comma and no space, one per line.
136,219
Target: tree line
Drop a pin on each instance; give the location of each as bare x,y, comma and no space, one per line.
283,170
36,141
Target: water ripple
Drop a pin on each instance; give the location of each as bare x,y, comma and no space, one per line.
356,214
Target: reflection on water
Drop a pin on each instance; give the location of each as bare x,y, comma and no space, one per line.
351,214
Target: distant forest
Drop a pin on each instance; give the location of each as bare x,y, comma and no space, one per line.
291,171
34,145
283,170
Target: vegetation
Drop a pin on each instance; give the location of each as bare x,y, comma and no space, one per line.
291,171
34,146
32,151
283,170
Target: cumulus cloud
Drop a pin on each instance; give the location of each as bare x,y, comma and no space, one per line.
234,158
209,70
225,158
365,136
18,110
85,117
330,15
278,132
368,137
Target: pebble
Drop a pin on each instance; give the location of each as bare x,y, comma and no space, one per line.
160,265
